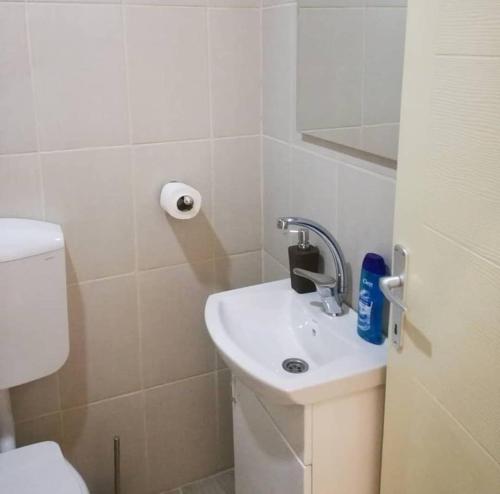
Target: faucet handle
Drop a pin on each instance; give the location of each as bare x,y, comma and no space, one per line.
326,287
319,279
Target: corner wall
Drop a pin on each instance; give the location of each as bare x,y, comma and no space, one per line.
352,197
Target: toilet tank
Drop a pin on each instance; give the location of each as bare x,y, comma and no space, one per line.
34,337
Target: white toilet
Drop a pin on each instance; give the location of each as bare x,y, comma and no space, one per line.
34,342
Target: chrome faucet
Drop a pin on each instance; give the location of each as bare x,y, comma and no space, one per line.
331,290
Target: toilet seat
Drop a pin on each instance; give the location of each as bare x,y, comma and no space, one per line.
38,469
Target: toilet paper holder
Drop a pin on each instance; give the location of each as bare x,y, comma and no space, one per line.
180,200
185,203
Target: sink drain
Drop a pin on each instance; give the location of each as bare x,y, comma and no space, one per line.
295,365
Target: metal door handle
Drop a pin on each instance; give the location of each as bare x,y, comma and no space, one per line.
393,287
387,284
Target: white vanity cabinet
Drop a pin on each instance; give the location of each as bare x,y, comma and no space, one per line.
331,447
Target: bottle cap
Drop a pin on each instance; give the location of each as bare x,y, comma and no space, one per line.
374,263
303,243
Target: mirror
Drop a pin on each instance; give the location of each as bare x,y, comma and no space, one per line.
350,65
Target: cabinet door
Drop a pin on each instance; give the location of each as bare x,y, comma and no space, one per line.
264,463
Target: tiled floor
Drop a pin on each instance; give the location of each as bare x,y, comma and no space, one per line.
222,483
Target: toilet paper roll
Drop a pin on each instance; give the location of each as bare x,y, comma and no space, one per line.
180,200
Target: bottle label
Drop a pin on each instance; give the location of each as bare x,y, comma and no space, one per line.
365,306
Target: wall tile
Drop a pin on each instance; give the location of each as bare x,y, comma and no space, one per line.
20,188
238,271
234,3
224,420
386,3
314,196
272,270
89,194
314,188
181,432
235,73
175,343
168,73
269,3
330,57
171,3
46,428
331,3
279,66
80,1
384,52
237,205
79,72
35,398
161,239
276,196
88,443
104,342
366,210
17,121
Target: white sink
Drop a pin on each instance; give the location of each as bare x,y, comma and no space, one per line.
258,327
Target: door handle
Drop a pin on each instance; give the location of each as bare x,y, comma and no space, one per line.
387,284
393,287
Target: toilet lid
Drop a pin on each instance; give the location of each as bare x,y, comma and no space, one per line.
36,469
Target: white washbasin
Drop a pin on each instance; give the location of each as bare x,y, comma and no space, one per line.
258,327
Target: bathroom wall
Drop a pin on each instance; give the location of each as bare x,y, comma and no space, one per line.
101,103
354,198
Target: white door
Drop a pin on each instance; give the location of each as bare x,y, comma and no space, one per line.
442,423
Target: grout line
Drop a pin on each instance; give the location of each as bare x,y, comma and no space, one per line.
261,141
35,110
104,278
363,76
19,154
136,249
203,479
217,414
118,397
133,191
213,232
127,71
165,267
146,3
146,442
41,416
70,2
239,254
178,381
247,7
131,145
337,199
278,5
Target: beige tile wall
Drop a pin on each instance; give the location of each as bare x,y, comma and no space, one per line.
101,103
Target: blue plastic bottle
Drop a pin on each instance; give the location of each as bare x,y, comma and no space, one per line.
371,299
